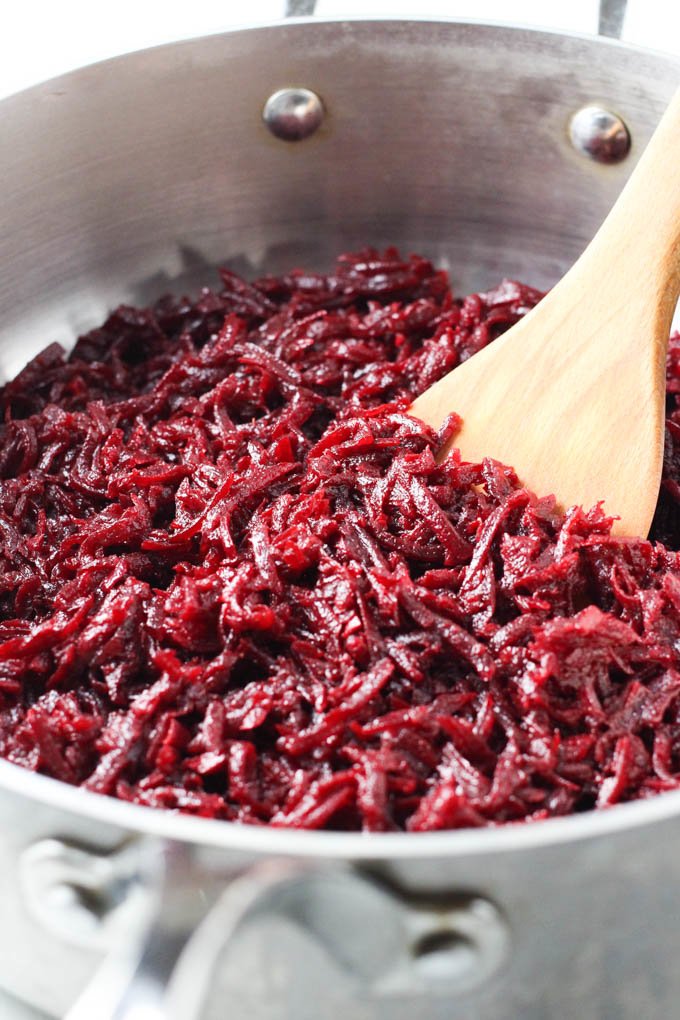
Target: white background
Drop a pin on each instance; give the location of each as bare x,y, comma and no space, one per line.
42,38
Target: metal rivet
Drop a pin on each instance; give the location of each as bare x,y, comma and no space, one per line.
293,114
599,134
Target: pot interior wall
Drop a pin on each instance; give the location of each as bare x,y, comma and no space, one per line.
128,178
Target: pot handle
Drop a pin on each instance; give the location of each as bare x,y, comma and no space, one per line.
163,957
161,965
300,8
611,14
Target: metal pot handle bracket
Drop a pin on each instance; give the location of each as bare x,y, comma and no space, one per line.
611,14
162,967
166,919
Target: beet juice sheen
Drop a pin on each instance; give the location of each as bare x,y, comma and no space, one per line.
235,582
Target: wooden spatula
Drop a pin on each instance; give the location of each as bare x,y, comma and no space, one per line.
573,396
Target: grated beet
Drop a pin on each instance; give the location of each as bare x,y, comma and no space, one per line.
234,581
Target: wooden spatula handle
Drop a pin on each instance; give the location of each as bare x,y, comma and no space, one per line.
573,396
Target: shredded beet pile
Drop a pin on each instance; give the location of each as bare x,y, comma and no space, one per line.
234,581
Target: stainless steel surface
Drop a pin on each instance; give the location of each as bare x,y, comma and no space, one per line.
162,968
300,8
293,114
155,201
418,948
611,16
86,899
599,134
585,922
129,178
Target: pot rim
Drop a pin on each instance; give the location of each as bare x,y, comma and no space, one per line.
219,834
166,823
366,21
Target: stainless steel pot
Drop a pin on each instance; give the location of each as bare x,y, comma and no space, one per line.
138,175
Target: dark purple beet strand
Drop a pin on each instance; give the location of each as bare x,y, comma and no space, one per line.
235,582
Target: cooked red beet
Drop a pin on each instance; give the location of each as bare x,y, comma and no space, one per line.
235,582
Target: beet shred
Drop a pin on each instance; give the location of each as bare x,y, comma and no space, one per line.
234,581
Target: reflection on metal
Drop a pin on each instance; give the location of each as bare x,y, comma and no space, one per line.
293,114
599,134
175,918
299,8
612,14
